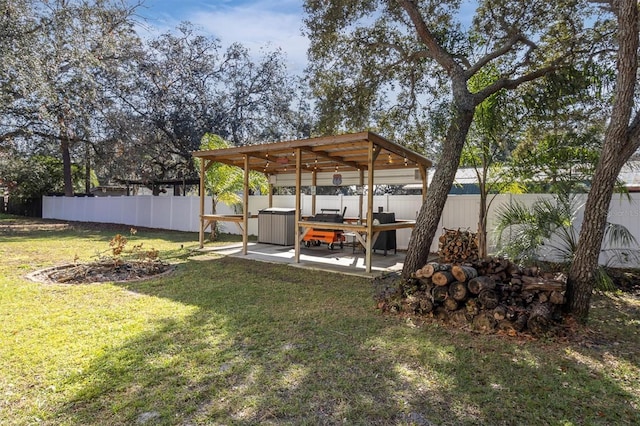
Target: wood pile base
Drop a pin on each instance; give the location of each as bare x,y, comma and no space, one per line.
488,295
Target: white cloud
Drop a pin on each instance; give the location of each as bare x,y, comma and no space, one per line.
256,28
254,24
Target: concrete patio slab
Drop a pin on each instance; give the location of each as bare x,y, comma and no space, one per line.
344,261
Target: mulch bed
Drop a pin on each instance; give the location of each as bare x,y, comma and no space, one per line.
106,270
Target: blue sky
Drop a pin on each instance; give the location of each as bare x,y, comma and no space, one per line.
256,24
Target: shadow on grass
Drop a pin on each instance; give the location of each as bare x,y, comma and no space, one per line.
271,344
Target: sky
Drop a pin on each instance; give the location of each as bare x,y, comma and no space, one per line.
256,24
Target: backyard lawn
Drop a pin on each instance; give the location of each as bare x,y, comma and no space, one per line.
238,342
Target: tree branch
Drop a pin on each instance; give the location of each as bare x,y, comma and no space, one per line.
506,47
507,83
437,52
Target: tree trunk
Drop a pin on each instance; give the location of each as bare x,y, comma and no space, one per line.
619,144
482,224
431,210
214,224
66,166
87,170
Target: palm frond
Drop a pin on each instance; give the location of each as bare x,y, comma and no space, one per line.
617,235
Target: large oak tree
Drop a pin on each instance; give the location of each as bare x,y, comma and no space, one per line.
364,51
622,140
184,85
55,63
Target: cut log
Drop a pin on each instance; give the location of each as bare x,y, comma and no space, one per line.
476,285
537,283
543,297
488,298
457,246
442,278
463,273
557,298
425,306
458,291
472,307
459,317
521,321
514,269
439,293
507,327
484,322
539,320
500,312
450,304
441,313
432,267
425,284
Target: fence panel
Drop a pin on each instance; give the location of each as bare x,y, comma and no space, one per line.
182,213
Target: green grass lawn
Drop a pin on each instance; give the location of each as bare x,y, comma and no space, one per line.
236,342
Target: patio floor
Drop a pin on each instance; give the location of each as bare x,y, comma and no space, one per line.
345,260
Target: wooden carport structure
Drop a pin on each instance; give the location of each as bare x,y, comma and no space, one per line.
361,154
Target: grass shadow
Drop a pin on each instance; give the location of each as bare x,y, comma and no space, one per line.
267,344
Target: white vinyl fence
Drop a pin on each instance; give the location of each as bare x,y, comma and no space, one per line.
181,213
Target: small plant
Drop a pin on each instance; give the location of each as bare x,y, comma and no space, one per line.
549,224
118,245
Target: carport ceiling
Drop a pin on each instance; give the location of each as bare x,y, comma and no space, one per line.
346,152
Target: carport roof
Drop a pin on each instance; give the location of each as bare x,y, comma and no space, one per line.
347,152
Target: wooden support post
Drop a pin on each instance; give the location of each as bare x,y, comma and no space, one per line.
298,204
245,207
369,247
314,182
202,194
425,177
361,196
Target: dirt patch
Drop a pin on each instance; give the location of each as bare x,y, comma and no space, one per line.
21,224
8,226
97,272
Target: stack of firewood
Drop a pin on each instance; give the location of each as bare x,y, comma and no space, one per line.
457,245
489,295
